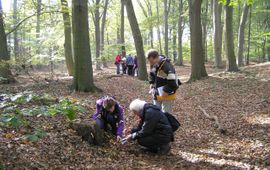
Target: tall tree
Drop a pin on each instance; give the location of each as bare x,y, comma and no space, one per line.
83,71
229,50
204,28
158,27
97,33
15,33
67,31
198,70
249,34
38,25
148,13
122,28
102,36
173,32
180,33
5,72
217,36
137,40
241,34
167,5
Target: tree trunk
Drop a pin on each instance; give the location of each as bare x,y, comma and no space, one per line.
103,23
204,30
38,26
217,33
67,31
5,73
241,35
180,34
83,75
158,28
166,27
15,34
263,59
249,33
137,40
97,34
231,59
122,28
198,70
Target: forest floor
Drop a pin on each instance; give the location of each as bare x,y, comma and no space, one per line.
241,101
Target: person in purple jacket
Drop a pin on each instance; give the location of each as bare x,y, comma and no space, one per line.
109,116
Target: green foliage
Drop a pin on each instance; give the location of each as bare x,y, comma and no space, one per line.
13,120
35,136
16,107
1,166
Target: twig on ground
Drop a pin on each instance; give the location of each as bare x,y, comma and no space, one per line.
112,76
214,119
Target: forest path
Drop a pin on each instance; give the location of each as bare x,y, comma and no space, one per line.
241,101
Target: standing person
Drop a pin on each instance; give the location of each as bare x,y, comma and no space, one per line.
163,80
124,65
154,131
109,116
130,64
135,68
117,63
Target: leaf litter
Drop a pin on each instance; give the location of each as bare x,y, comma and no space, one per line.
240,101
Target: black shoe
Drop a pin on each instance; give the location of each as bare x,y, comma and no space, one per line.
164,149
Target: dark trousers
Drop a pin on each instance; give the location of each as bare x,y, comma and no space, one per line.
130,70
124,68
117,68
107,125
152,143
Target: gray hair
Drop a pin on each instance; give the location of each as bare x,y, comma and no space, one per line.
137,105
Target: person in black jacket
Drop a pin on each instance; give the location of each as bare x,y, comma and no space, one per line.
163,80
154,131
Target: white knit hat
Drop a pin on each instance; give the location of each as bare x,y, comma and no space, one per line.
137,105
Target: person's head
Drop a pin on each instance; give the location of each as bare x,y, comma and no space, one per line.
153,56
136,106
109,104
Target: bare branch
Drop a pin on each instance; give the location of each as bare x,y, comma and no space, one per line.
214,119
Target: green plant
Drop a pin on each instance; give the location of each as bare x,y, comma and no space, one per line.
35,136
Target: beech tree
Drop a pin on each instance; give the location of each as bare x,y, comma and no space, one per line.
67,32
217,36
241,35
5,73
137,40
229,41
179,61
198,70
83,75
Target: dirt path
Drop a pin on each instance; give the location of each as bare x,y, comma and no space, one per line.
241,101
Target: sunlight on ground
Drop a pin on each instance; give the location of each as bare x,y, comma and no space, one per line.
195,158
259,119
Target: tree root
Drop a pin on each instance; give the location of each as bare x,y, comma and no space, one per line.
215,120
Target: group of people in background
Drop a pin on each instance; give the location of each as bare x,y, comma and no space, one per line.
126,65
157,125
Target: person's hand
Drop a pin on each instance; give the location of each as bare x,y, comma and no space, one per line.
129,137
151,86
165,94
118,138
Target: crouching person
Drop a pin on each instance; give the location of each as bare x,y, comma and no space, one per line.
109,116
154,131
